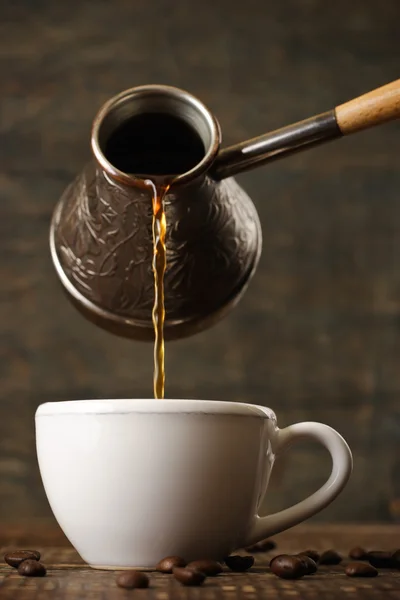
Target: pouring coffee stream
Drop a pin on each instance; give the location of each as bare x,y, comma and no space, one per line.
159,147
159,266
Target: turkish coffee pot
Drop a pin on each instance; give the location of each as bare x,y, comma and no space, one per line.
101,230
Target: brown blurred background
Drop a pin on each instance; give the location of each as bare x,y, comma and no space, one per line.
317,336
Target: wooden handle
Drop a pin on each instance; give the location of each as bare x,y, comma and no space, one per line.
373,108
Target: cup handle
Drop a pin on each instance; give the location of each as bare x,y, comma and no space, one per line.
342,465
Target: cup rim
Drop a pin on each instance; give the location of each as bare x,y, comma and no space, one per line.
150,406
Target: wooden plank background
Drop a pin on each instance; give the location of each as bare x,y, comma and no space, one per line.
68,578
317,335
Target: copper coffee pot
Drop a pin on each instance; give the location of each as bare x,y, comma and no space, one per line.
100,237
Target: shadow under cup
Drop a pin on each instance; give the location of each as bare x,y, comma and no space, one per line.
133,481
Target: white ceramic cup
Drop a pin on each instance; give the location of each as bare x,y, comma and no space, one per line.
133,481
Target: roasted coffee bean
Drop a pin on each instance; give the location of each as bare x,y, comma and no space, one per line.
263,546
309,565
380,559
360,569
330,557
287,567
211,568
358,553
167,564
14,559
313,554
132,579
190,577
32,568
239,564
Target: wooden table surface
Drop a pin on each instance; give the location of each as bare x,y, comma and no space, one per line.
69,578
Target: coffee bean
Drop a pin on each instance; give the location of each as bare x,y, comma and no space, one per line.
190,577
380,559
132,579
167,564
360,569
330,557
211,568
32,568
239,564
14,559
308,563
263,546
313,554
358,553
287,567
